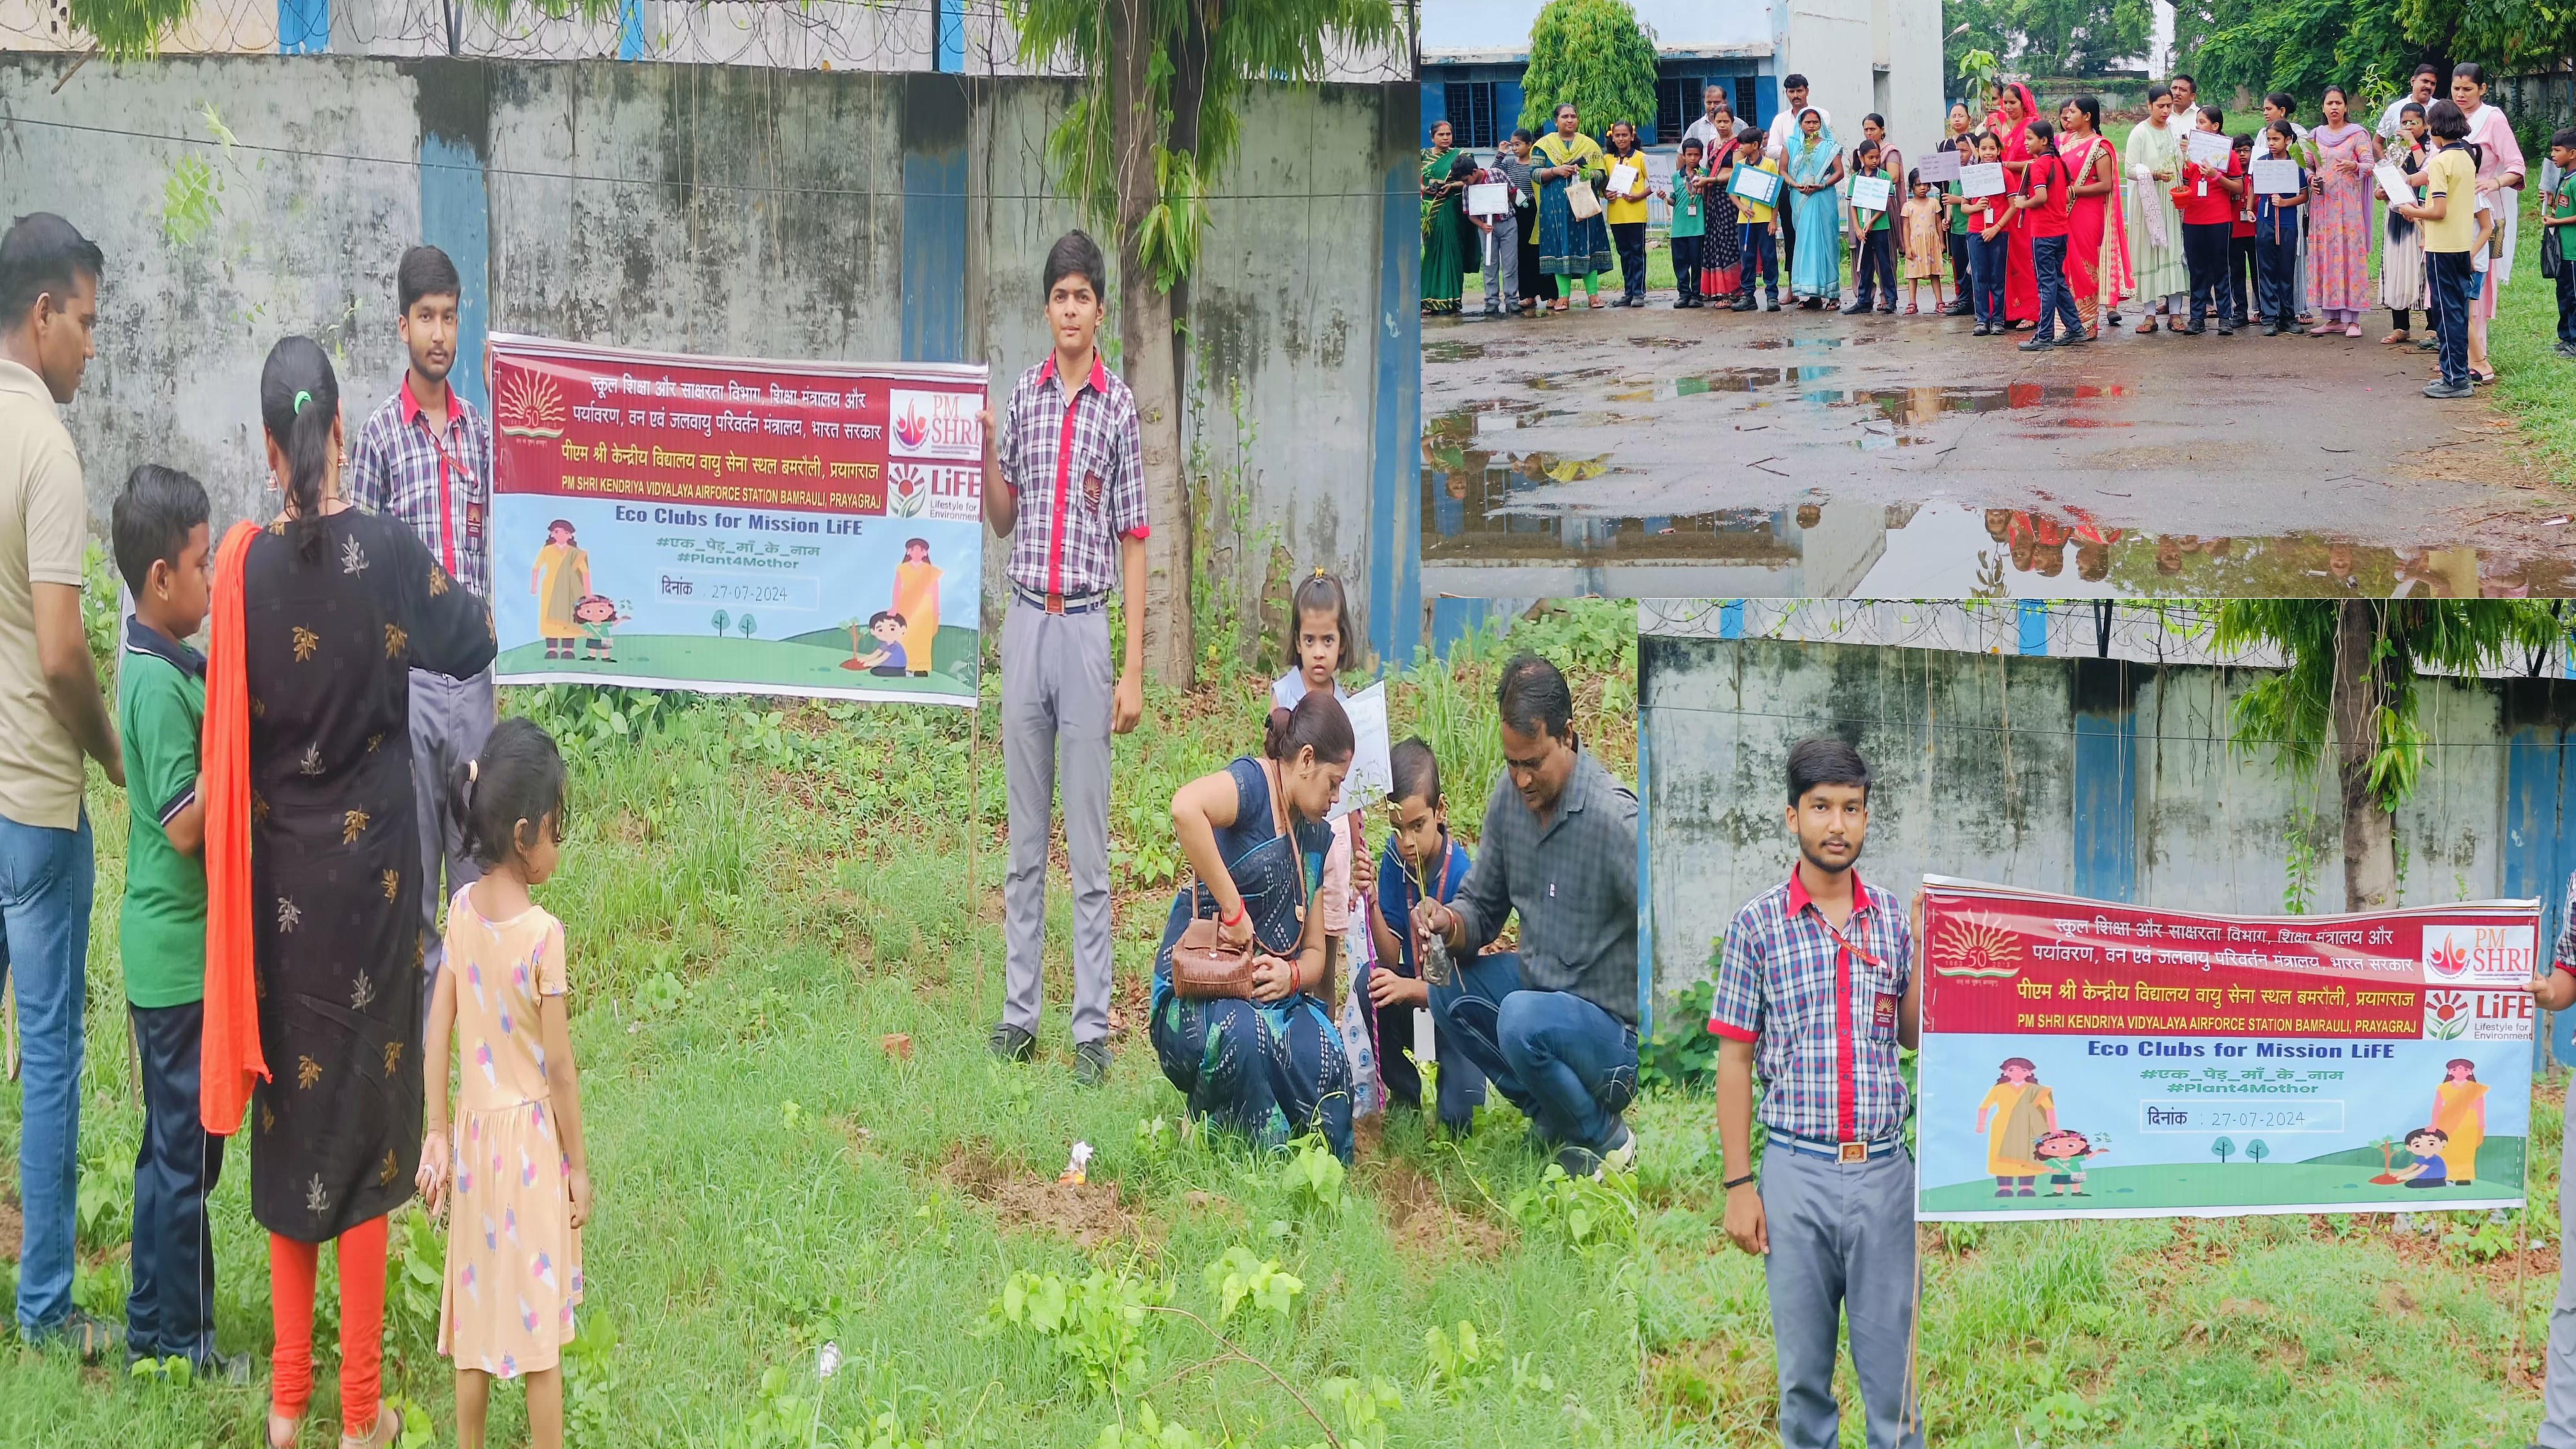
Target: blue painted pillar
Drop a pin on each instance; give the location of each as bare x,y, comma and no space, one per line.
1395,446
2032,622
456,218
1455,619
949,54
630,29
2106,781
303,27
2538,796
1730,619
934,220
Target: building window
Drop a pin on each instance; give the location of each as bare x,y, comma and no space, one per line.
1677,104
1471,112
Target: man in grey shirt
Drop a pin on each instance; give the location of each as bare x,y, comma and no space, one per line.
1554,1024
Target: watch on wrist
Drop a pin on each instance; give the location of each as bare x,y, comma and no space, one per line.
1732,1183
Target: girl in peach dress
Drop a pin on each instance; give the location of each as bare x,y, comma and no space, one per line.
521,1180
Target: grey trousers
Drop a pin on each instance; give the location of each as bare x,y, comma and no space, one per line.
2558,1394
1056,686
1842,1239
450,720
1503,263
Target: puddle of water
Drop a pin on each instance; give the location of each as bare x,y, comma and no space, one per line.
1771,344
1479,510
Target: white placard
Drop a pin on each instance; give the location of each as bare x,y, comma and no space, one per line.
2392,184
1938,167
2209,148
1623,179
1371,778
2276,178
1756,185
1985,178
1489,198
1869,193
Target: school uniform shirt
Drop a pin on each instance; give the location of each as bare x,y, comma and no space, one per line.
439,483
2564,958
160,711
1618,209
2218,204
1076,457
2245,205
1894,194
2452,175
2048,218
1689,207
1821,1012
1986,211
1754,213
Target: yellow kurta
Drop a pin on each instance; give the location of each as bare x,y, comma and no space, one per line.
563,576
2021,1115
916,598
2456,1112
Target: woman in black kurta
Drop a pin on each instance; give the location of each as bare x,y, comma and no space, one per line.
337,607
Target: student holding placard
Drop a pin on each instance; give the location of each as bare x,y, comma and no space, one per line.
2281,106
2277,203
1987,243
2207,193
1536,286
1756,189
1873,241
1497,188
1624,193
1940,169
2014,114
2240,239
2448,219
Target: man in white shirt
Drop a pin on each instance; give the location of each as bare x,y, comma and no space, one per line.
1784,127
2427,77
1716,124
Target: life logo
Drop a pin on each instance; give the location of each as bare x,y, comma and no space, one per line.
953,495
2480,953
933,425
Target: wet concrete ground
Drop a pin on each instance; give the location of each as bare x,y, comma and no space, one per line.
1663,453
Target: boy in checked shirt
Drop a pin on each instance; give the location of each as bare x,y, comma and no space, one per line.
1816,984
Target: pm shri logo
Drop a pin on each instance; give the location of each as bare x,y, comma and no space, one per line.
2469,953
938,426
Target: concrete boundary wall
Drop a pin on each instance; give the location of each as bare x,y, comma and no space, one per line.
2104,778
790,214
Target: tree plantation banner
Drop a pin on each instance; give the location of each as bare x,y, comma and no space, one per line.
720,524
2092,1059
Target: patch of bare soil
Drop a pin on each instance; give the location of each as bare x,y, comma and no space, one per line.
11,1225
1421,1219
1088,1213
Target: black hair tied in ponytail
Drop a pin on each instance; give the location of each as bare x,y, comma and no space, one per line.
299,403
1317,723
518,776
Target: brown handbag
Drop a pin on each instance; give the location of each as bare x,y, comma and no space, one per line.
1204,968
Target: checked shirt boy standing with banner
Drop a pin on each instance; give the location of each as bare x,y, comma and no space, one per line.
1816,985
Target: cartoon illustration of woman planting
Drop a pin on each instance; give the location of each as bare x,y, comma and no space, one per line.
2016,1113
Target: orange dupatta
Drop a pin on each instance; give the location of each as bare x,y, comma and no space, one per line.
230,1055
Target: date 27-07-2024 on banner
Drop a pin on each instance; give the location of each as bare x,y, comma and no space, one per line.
2093,1059
792,528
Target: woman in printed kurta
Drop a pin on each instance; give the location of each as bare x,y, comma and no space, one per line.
1569,246
2339,220
2154,231
336,608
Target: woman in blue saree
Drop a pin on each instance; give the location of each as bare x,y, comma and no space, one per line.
1814,166
1269,1066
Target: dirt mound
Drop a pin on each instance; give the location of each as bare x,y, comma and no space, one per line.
1088,1213
1422,1221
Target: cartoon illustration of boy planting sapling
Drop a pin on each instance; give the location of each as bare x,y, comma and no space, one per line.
887,660
2425,1145
2063,1152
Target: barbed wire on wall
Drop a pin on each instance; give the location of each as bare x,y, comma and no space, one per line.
837,35
2150,632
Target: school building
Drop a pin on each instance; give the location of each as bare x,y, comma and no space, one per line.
1859,56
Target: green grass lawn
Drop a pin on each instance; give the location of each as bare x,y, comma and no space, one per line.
2534,385
780,996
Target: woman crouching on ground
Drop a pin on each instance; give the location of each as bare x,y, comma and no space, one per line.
1269,1064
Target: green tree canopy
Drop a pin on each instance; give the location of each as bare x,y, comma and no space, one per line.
2302,46
2046,37
1595,54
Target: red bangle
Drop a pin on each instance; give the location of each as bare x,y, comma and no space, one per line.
1242,908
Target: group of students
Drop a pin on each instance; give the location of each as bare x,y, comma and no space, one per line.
292,794
2075,232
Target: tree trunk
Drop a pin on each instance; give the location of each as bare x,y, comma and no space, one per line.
2360,690
1145,329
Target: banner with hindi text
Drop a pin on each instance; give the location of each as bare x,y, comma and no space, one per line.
673,522
2087,1058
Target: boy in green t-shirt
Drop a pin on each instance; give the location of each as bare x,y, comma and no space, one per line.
2558,236
160,531
1689,223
